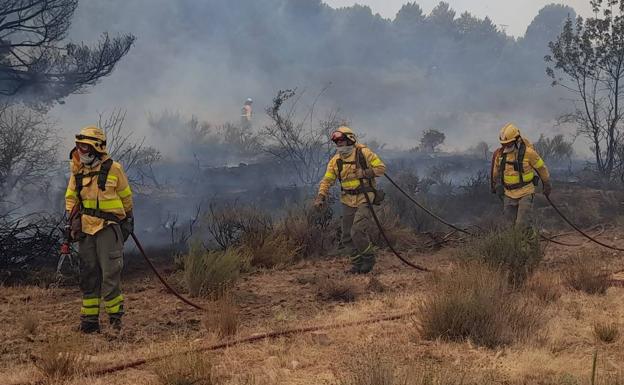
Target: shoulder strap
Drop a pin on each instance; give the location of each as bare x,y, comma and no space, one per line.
361,159
501,168
520,158
339,165
103,174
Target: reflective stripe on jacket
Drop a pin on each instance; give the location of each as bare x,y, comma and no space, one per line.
532,162
115,199
348,178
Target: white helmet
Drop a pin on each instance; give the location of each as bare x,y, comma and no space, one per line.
249,101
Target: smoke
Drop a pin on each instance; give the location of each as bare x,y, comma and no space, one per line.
391,82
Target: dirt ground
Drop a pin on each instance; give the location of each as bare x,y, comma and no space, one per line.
156,322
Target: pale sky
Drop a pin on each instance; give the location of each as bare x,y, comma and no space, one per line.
516,14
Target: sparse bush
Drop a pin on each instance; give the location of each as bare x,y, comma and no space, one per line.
223,317
269,249
185,369
607,332
555,148
478,304
210,272
586,275
60,361
229,223
308,228
515,250
336,290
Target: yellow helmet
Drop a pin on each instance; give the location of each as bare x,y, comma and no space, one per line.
93,136
344,132
508,134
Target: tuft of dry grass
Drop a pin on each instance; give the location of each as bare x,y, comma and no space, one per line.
209,273
60,360
223,318
374,285
185,369
336,290
546,287
30,324
476,303
607,332
586,275
372,367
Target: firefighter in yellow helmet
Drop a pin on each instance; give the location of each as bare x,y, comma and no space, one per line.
355,166
99,203
514,168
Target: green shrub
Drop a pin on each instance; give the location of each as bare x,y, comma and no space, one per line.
513,250
208,273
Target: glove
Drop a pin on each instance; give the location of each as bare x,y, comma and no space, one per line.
319,201
364,174
127,227
547,188
75,227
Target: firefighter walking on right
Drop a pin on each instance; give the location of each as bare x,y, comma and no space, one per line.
355,166
514,168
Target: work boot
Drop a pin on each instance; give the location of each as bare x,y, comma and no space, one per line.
89,325
342,251
356,264
115,323
367,263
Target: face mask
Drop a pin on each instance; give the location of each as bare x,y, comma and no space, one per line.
345,150
507,150
88,159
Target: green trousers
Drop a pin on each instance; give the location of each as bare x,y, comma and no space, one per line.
357,227
519,212
101,262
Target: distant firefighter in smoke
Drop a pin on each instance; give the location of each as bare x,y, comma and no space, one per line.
514,168
246,114
99,203
356,167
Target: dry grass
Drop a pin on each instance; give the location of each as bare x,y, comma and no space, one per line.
546,287
223,318
30,324
585,274
374,285
607,332
60,360
309,228
208,273
185,369
370,367
476,303
341,290
516,251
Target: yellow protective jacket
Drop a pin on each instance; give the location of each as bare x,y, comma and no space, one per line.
348,178
512,180
115,199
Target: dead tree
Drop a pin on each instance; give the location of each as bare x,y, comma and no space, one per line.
27,149
36,66
137,158
304,145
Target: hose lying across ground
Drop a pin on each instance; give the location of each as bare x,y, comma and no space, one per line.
240,341
160,277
